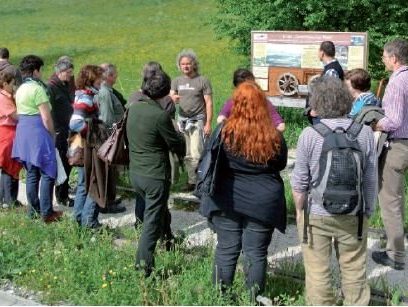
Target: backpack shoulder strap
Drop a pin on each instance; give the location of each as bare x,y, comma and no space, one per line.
354,129
322,129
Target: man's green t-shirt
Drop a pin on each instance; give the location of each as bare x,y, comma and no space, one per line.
29,96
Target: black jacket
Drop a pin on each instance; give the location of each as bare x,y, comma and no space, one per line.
61,98
254,190
336,66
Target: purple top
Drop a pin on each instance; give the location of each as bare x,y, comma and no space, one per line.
395,105
34,144
276,118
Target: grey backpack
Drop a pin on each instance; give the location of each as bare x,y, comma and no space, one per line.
339,185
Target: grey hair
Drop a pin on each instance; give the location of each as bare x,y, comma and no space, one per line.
399,49
108,69
188,53
330,98
63,63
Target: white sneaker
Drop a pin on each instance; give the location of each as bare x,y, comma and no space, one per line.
5,206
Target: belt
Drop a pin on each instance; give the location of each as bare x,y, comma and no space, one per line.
398,139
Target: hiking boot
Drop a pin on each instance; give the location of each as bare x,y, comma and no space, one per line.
53,217
383,259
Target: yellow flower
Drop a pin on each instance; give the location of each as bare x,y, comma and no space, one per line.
104,285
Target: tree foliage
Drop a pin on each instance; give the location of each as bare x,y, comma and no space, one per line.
383,20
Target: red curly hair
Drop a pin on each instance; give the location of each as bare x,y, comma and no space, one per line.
249,131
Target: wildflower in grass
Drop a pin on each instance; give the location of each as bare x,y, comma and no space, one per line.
104,285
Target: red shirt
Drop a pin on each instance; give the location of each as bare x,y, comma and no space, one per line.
7,109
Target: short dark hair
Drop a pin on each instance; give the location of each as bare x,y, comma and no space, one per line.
241,75
359,79
8,74
151,68
88,75
29,64
330,98
4,53
399,49
156,85
328,48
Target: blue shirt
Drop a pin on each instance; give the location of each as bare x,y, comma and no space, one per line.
364,99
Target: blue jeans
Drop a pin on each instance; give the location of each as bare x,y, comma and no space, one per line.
8,188
236,232
86,210
43,204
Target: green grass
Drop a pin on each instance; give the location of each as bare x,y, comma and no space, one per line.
67,264
124,32
75,266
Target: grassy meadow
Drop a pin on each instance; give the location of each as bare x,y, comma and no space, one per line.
128,34
74,266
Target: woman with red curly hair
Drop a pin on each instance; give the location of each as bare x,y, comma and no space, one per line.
249,201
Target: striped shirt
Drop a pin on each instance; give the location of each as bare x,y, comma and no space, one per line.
85,106
395,105
306,171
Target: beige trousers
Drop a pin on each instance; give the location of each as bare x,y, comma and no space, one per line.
392,167
340,232
194,147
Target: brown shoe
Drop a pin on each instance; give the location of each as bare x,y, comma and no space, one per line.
53,217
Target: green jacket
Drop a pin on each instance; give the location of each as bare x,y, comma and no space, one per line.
151,136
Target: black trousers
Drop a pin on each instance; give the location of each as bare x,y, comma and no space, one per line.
61,143
156,218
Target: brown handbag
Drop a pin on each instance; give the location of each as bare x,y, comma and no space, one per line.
115,149
75,153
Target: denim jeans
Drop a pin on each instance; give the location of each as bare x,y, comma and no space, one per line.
8,188
156,222
38,181
86,210
236,232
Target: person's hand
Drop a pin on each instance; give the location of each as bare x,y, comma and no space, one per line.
313,113
207,129
175,98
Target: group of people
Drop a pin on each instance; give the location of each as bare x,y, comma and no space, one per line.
248,202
